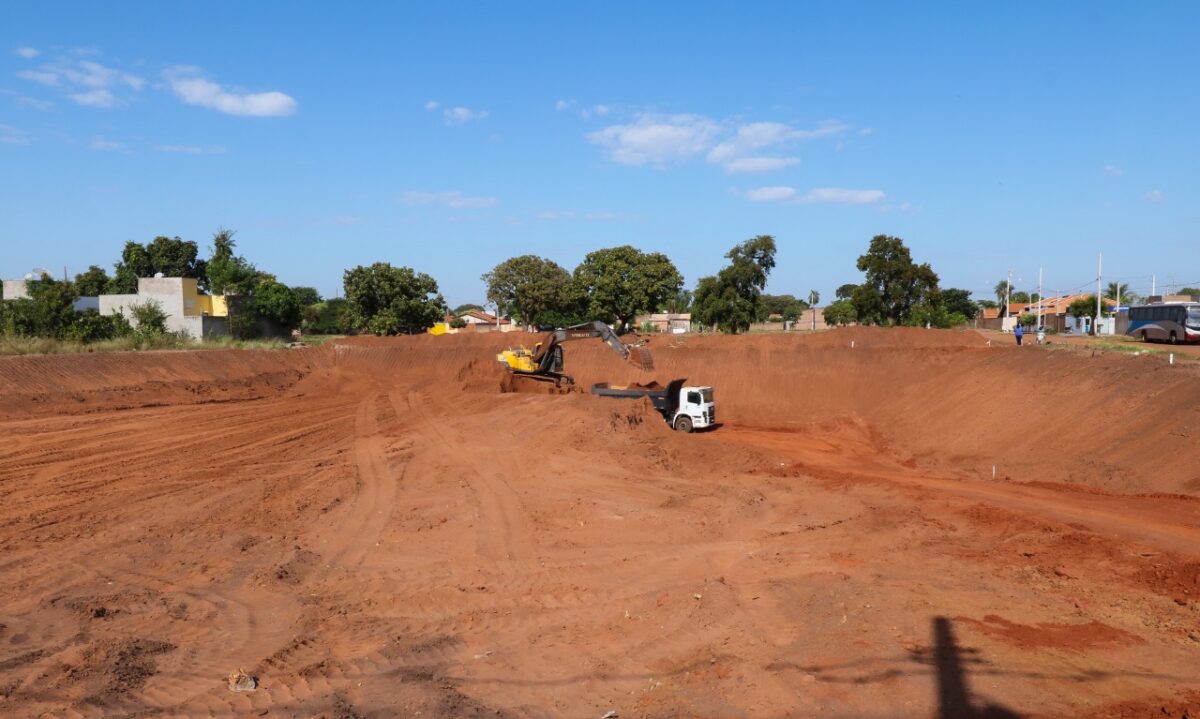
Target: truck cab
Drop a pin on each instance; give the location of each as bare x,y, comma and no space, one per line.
694,409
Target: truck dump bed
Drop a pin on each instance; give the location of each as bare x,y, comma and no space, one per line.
664,399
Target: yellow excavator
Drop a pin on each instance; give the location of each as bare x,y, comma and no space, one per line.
544,363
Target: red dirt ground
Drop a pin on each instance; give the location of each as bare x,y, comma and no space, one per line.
372,530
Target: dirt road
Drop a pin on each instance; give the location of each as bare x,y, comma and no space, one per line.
372,530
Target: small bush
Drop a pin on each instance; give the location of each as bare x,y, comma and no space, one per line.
149,318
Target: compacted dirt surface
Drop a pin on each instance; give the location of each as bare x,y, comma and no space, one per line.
922,524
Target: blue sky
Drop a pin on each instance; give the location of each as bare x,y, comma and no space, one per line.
989,136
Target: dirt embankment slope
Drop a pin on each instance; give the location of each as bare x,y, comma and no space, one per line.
371,529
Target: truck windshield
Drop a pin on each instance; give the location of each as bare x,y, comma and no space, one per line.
1193,318
706,393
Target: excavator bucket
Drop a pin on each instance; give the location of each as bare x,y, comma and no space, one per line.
641,357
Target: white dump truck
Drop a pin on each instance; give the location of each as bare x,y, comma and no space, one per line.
684,408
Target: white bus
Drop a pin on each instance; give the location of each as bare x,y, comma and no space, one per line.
1166,322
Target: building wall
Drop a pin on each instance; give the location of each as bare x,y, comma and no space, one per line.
15,290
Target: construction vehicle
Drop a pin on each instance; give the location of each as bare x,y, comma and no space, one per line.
544,363
684,408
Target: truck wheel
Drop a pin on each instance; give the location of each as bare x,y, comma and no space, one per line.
683,424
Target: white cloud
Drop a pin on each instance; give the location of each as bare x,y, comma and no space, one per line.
1113,171
188,85
27,52
1155,196
86,82
99,143
462,115
841,196
449,198
737,148
770,194
432,105
598,110
816,196
10,135
45,77
657,139
92,74
739,154
561,105
96,98
192,149
751,165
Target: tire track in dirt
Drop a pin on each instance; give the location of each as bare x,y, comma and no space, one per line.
503,532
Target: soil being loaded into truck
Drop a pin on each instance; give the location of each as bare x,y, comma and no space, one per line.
370,528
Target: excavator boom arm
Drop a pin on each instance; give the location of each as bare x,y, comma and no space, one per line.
545,351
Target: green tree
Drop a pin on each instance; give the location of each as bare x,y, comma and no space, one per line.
306,296
529,288
619,282
227,273
1002,289
171,256
786,306
330,317
463,309
1194,291
53,308
1021,297
393,300
731,300
895,285
92,282
844,292
1083,307
276,302
959,301
840,313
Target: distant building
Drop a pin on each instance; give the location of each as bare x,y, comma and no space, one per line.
188,310
670,322
480,321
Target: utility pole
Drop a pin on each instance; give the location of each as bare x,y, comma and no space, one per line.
1153,285
1039,297
1008,295
1099,265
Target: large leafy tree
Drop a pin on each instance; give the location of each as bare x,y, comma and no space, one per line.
171,256
306,296
840,312
1083,307
617,283
731,300
529,288
844,292
895,286
276,302
959,301
94,281
786,306
393,300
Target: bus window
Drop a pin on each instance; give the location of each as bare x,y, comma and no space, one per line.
1193,317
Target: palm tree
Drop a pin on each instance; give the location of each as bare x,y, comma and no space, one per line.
1117,291
813,298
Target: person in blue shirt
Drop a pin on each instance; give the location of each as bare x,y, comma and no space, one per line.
1019,332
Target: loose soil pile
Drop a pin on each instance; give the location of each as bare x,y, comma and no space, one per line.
372,529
